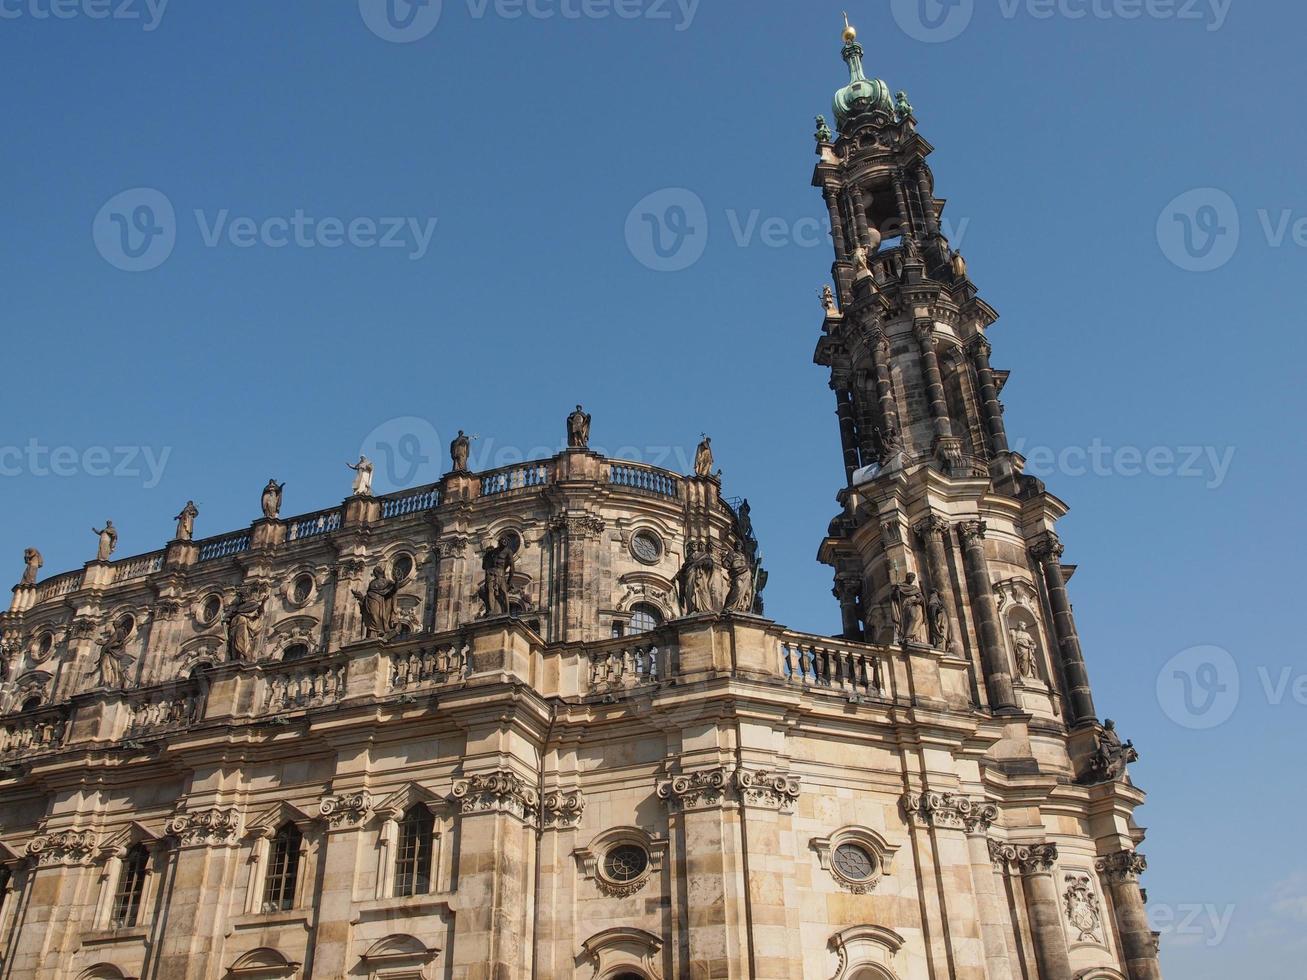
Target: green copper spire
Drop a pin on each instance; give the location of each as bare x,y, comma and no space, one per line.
862,94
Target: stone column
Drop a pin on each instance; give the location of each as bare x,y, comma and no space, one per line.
556,938
932,533
905,212
859,207
848,431
1138,945
577,608
708,855
767,801
979,349
848,590
1042,902
945,442
923,190
994,924
1048,552
998,673
880,359
344,815
199,889
831,195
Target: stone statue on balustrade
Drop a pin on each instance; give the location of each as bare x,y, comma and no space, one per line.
496,590
377,604
459,451
186,521
110,670
108,540
937,619
578,429
694,582
243,621
362,476
272,500
1111,756
739,571
908,608
1024,648
32,562
703,458
827,298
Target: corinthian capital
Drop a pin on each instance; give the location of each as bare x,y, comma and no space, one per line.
972,531
1122,866
979,347
1048,547
930,527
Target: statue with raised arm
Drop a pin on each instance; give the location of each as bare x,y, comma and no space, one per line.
272,500
459,451
909,609
739,570
108,540
497,589
186,521
362,476
111,667
32,562
703,458
694,582
243,621
378,604
578,429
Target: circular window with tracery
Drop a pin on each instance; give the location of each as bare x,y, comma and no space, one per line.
647,547
854,862
211,610
302,589
626,863
44,646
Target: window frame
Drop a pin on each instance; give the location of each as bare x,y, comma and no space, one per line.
419,822
128,898
285,875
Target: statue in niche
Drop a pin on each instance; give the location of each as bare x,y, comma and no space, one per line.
1024,648
703,458
694,582
186,521
272,500
937,619
362,476
108,540
739,570
578,429
1111,756
908,607
827,298
32,562
243,621
377,604
496,591
459,451
111,668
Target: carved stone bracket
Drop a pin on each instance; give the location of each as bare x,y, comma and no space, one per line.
561,808
349,809
1024,858
63,847
767,788
580,526
771,789
211,826
704,787
949,810
972,531
1122,866
1048,547
502,791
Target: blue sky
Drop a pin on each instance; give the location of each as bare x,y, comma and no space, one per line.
497,153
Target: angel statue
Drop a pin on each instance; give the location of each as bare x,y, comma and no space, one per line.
111,668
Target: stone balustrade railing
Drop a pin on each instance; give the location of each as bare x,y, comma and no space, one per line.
312,525
303,684
427,664
806,661
225,546
130,569
516,478
633,661
633,476
58,586
31,732
164,711
409,502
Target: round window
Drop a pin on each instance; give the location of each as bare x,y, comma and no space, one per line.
854,863
402,567
647,547
44,645
626,862
512,539
302,589
211,609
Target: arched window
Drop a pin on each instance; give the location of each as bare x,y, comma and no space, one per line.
283,869
131,886
296,651
413,857
32,703
645,618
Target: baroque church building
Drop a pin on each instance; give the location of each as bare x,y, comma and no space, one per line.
532,724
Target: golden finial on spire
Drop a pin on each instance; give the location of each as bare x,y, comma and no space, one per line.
850,32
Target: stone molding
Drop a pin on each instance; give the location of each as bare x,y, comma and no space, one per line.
1122,866
1047,547
703,787
1025,859
214,825
974,815
67,847
973,531
767,788
580,526
501,791
562,808
347,809
771,789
